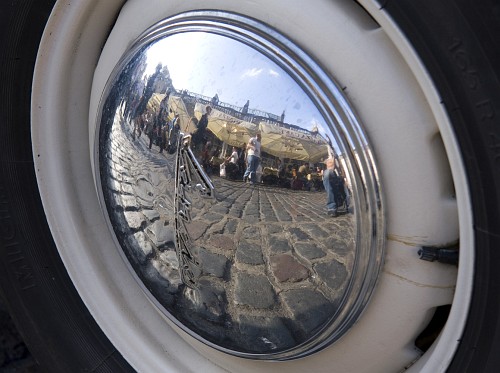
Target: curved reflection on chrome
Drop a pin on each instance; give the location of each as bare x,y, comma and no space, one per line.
259,233
187,169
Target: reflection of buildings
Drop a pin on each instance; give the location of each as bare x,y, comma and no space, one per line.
284,145
163,82
232,125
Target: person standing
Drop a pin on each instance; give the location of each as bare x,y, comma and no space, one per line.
253,158
148,128
205,157
233,158
328,174
198,138
162,123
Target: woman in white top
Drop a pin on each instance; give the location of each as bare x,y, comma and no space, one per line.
233,158
253,158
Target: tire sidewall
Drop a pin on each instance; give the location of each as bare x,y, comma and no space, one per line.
458,43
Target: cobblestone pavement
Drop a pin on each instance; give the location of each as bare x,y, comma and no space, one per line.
273,265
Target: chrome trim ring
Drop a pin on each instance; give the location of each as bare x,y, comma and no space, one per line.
116,180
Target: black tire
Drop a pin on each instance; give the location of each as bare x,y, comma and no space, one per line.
56,325
459,43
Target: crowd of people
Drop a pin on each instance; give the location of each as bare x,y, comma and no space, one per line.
244,163
160,130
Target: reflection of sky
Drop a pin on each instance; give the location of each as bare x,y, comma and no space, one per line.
208,64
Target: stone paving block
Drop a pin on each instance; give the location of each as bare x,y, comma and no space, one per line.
267,208
275,228
271,218
339,246
217,228
222,241
220,209
267,211
127,189
251,219
212,264
157,175
212,217
117,176
251,233
283,216
344,222
264,334
144,190
207,301
279,244
235,213
253,210
129,202
147,204
254,291
160,233
249,253
299,235
163,278
114,185
309,250
134,219
197,228
145,246
302,218
215,332
332,273
309,308
151,215
231,226
288,269
316,231
226,204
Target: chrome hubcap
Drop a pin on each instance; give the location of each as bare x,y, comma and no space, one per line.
255,259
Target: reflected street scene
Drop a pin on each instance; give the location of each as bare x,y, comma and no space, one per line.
229,195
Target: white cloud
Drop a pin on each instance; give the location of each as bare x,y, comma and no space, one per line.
273,73
251,73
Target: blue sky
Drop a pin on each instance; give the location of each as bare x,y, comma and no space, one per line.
208,64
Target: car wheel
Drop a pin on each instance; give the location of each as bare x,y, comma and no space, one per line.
415,85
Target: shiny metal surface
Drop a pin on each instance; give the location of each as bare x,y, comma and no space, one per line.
254,263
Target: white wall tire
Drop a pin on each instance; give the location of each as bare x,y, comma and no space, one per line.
378,67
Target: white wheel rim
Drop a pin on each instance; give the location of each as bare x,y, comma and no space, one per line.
62,94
